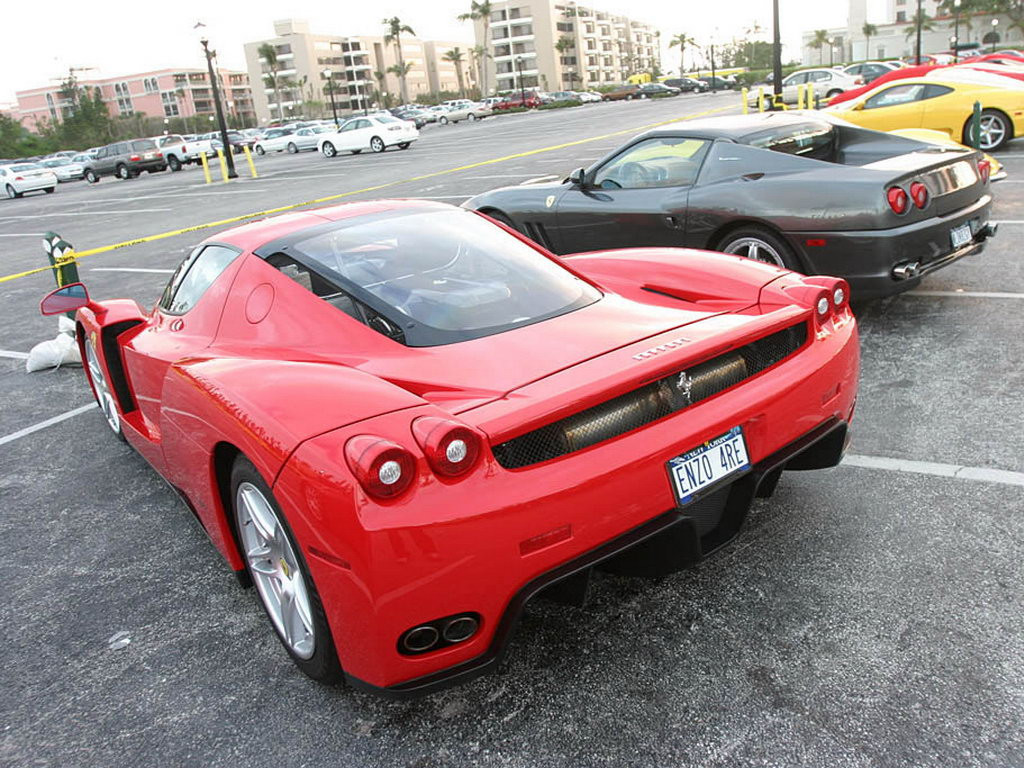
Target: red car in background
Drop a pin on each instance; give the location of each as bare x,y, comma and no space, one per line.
529,100
402,420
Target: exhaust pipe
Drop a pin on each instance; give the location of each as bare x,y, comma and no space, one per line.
989,230
420,639
906,270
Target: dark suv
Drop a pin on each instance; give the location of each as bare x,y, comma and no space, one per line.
126,160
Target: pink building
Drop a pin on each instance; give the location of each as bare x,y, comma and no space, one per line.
161,93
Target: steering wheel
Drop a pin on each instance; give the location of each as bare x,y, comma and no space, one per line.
634,174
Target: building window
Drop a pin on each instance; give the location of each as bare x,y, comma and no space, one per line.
502,50
499,16
881,51
563,26
522,29
567,60
170,103
150,85
283,48
500,33
901,16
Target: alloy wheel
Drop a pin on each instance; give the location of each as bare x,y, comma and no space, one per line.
275,569
102,390
993,131
377,144
329,150
11,192
755,248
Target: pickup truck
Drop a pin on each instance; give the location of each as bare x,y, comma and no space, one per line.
177,151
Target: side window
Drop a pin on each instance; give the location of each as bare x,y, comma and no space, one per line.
934,91
193,276
820,77
898,94
362,124
663,162
350,126
795,79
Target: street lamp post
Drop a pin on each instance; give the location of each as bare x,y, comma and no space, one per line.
330,86
522,84
995,34
776,51
831,51
956,31
232,173
714,80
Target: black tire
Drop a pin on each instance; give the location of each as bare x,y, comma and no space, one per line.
355,151
501,217
323,666
377,144
49,190
405,145
833,92
733,242
472,118
91,177
260,150
123,173
328,149
998,122
113,423
442,120
292,149
12,193
174,164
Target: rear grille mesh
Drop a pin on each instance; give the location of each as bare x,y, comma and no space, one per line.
650,402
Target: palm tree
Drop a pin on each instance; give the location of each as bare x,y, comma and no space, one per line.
454,56
819,40
682,40
268,53
395,31
920,18
480,12
401,70
869,30
480,56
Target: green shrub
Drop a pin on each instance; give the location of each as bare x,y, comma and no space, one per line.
561,104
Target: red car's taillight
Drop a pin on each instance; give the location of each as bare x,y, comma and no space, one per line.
919,194
984,170
384,469
832,299
452,449
898,200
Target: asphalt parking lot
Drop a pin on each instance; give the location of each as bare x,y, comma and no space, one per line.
869,615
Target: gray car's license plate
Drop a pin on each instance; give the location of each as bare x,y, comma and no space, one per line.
960,236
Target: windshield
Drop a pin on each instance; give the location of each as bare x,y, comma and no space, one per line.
56,161
441,276
29,167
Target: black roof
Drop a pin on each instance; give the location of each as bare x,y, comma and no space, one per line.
735,127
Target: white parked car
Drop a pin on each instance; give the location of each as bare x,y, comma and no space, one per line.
373,132
588,96
19,178
64,168
177,151
826,83
308,138
274,140
469,111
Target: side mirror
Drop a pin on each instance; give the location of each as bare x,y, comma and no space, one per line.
857,107
578,177
66,299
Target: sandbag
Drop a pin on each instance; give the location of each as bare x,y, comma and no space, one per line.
54,353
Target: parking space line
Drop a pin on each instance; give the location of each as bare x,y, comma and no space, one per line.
83,213
13,355
23,234
969,294
132,269
44,424
980,474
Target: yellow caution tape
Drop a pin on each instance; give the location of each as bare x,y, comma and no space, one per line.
76,255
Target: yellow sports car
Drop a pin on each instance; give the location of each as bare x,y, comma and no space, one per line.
939,105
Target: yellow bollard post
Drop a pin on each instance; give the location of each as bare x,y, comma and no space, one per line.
223,165
800,91
252,165
743,94
206,167
760,98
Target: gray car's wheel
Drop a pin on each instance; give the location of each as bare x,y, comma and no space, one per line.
260,150
174,164
292,149
471,117
101,390
91,177
12,192
996,130
281,576
442,120
759,244
328,149
123,172
49,190
377,144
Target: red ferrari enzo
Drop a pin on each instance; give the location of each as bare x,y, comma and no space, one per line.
402,420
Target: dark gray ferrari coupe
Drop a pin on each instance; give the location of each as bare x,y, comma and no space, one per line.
804,190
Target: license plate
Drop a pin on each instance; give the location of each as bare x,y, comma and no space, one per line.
708,464
149,156
960,236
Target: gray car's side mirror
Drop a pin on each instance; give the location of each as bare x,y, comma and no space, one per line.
578,177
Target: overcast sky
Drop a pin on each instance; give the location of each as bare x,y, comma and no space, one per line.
42,40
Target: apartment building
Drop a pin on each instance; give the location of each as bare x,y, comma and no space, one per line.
159,93
561,44
357,65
